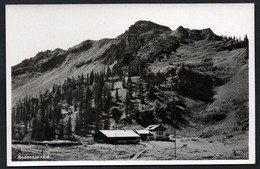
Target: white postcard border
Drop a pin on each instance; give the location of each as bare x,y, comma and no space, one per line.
252,126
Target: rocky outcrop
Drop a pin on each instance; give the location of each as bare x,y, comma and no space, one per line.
195,34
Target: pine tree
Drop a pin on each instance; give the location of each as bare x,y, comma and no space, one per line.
123,82
147,86
140,69
91,78
246,44
129,76
25,128
48,131
87,109
246,40
97,111
68,129
142,99
59,113
130,90
86,81
81,118
131,107
106,124
116,114
151,94
74,104
87,115
116,96
40,127
140,89
107,100
108,73
34,128
61,131
127,102
101,80
13,117
82,78
77,125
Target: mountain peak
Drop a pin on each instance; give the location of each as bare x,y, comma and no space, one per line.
182,32
143,26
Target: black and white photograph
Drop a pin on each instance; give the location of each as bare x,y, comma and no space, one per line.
130,84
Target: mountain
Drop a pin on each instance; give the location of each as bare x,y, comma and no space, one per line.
192,80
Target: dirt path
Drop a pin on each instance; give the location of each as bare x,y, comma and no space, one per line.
137,155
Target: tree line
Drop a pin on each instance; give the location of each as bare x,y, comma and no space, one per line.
42,114
41,117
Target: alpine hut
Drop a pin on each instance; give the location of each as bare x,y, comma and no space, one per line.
158,131
144,134
117,136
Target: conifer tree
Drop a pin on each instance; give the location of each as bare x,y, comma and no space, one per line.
87,113
246,43
86,81
48,133
107,101
108,73
127,102
91,78
142,99
97,112
123,82
147,84
68,129
13,117
129,76
106,124
77,125
116,114
116,95
34,128
25,127
74,104
140,69
61,131
59,113
82,78
140,89
130,90
151,94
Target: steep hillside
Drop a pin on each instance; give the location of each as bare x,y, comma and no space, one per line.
192,80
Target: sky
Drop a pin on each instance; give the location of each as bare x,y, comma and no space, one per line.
34,28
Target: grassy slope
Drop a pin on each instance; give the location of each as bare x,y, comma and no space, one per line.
67,69
232,65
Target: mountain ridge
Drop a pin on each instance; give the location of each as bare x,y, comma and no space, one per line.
56,57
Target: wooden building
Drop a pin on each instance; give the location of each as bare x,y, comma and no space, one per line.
144,134
158,131
117,136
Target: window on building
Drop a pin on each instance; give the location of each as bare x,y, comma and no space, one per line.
160,133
